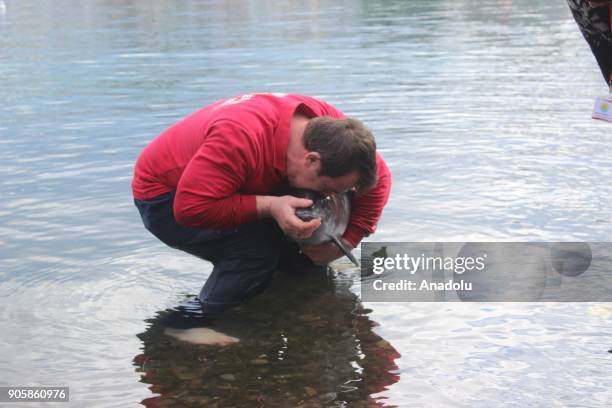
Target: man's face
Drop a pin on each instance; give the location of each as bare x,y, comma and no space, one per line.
308,176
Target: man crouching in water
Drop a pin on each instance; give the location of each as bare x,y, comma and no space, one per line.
210,186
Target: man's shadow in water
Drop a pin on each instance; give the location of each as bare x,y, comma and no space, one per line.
306,341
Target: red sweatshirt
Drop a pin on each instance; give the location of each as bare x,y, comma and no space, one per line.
220,157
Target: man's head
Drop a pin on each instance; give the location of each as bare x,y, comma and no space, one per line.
339,155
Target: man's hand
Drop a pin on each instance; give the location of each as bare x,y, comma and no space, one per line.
282,209
326,252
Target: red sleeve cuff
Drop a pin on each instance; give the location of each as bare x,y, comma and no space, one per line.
248,208
353,235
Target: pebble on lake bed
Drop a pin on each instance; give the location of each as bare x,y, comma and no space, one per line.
202,336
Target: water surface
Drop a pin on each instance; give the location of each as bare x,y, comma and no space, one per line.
481,109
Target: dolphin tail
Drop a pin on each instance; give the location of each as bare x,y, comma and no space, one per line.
346,251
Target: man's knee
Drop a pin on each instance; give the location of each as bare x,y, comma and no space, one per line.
259,241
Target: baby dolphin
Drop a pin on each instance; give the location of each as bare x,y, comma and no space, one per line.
333,210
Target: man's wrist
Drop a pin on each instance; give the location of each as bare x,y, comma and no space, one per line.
264,206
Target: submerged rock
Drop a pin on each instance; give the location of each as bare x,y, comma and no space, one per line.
228,377
309,318
328,397
201,335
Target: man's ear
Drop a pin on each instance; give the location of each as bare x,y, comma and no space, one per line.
313,159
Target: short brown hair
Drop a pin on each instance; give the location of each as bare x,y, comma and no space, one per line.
345,145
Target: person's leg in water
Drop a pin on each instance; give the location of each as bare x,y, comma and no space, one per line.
244,259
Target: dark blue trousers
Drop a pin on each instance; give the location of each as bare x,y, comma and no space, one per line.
244,259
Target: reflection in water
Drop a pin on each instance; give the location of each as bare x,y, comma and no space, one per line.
307,341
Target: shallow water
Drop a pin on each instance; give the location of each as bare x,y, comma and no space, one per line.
481,109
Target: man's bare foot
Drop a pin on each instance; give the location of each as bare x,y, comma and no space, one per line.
201,335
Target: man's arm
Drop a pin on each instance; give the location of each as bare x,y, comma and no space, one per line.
326,252
207,194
